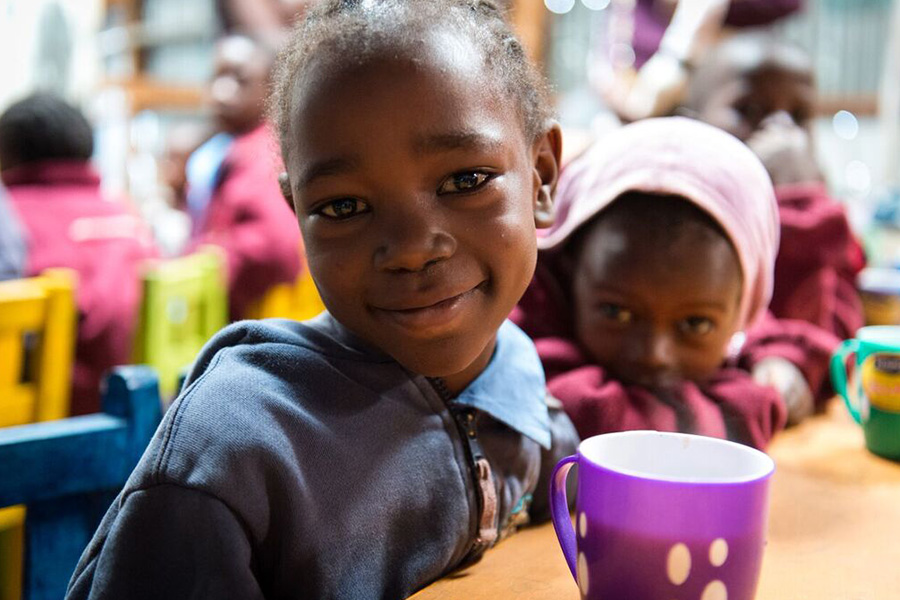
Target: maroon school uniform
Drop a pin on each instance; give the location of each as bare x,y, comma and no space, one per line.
69,223
817,263
250,219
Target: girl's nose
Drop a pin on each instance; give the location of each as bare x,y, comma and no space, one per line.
659,350
412,241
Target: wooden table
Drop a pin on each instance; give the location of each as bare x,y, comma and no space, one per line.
834,529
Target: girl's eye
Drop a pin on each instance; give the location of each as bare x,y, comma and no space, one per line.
697,326
343,208
616,313
464,182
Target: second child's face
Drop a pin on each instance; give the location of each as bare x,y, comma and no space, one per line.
655,315
772,92
415,190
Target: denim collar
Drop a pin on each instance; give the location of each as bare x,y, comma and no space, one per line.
511,389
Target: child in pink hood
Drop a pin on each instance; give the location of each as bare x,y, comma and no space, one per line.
648,307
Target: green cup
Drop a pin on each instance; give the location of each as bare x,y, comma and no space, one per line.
873,393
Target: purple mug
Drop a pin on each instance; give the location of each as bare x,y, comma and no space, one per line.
663,516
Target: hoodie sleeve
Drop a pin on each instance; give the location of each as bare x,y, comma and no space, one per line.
167,541
565,443
818,261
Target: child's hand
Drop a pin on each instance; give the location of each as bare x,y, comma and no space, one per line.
654,91
786,151
789,382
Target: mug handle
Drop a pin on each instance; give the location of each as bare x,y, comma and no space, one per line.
839,357
559,510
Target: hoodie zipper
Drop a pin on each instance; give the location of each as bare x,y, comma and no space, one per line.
480,469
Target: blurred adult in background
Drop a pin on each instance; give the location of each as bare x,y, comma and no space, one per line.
45,150
12,244
232,192
762,91
654,44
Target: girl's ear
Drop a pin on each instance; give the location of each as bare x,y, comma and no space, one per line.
546,153
284,182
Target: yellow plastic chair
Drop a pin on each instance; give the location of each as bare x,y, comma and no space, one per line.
184,303
37,343
298,300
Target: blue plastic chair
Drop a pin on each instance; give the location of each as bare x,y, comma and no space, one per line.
68,472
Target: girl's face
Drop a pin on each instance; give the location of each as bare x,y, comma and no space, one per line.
416,192
655,314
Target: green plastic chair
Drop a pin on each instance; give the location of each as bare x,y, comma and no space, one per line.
184,304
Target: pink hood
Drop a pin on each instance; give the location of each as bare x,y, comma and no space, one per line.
687,158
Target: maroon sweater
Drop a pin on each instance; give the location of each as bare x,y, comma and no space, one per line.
818,260
69,223
250,219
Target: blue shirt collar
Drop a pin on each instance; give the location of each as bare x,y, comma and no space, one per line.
512,388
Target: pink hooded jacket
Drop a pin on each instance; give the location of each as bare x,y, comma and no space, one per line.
69,223
672,156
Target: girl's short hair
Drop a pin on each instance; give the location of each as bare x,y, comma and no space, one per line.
356,29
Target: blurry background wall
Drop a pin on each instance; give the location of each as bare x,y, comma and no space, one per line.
49,45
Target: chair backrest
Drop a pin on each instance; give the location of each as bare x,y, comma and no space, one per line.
37,344
67,472
298,300
184,304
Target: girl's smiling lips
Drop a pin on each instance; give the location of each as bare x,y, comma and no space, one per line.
429,310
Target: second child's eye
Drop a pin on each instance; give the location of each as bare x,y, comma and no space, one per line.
467,181
697,326
616,313
343,208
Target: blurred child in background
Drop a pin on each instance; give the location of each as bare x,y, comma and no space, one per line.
45,151
667,38
660,258
232,192
762,91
